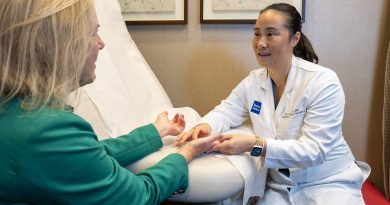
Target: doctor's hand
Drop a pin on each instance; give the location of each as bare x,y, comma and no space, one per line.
166,127
201,130
192,149
234,144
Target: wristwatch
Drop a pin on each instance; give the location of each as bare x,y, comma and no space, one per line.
257,148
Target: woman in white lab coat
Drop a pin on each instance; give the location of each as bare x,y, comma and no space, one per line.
296,108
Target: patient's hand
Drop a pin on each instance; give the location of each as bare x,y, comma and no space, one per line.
198,146
166,127
201,130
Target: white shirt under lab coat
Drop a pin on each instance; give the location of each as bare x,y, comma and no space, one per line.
304,132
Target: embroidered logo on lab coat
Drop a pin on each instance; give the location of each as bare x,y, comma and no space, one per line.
293,113
256,107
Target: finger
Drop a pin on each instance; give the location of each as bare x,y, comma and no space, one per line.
218,136
164,113
181,118
186,137
225,138
213,144
213,139
176,117
195,135
180,136
191,134
216,142
216,148
182,122
183,137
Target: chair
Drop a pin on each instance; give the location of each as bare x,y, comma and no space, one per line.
372,196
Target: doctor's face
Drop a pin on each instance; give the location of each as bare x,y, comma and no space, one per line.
95,44
271,42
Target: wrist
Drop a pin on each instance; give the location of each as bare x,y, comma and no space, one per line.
258,147
187,152
251,144
206,127
161,131
264,148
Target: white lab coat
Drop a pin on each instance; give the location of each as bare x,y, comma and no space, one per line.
304,134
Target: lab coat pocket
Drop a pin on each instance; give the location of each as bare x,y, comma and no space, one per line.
290,127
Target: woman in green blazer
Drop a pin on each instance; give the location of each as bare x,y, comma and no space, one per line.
49,155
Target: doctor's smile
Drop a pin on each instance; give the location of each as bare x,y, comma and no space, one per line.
264,54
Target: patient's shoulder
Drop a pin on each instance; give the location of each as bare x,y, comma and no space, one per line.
36,122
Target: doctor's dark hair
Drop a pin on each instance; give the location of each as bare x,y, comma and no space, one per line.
293,23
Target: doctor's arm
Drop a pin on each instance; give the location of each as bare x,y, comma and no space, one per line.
232,112
232,144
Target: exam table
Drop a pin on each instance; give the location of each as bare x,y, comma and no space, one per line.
126,94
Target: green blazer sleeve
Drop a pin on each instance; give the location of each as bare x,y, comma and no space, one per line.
63,163
133,146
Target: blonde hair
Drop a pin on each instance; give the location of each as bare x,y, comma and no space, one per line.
43,48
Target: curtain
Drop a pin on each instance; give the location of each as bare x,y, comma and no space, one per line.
386,126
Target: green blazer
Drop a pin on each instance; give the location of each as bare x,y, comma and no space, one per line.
54,157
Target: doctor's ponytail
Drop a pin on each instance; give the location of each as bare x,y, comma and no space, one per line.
304,48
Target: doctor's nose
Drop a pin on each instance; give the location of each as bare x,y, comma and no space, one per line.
262,43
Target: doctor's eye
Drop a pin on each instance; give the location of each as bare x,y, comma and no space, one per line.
271,34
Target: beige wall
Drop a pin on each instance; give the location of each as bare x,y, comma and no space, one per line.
198,65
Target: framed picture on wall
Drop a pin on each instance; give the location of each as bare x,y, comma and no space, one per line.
144,12
240,11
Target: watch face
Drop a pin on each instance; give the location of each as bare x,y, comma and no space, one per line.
256,151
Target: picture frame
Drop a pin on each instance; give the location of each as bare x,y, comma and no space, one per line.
239,11
154,12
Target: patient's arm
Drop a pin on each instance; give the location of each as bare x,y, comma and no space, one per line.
133,146
144,140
